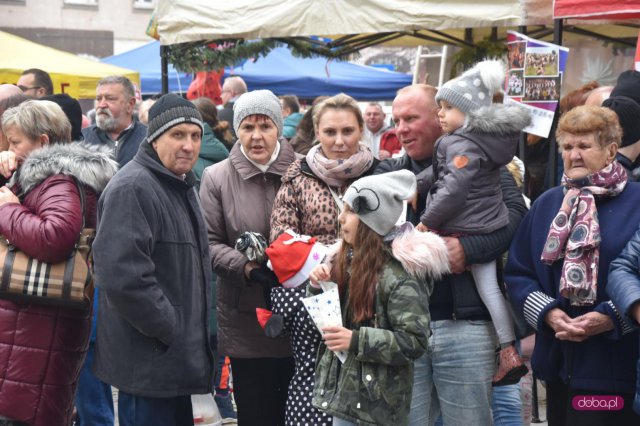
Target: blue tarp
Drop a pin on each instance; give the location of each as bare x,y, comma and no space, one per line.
280,72
146,60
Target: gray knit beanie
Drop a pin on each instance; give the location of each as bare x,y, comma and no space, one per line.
475,87
168,111
262,102
377,199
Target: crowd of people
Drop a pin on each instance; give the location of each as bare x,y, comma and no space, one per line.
218,226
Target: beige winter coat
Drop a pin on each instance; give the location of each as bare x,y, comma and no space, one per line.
238,197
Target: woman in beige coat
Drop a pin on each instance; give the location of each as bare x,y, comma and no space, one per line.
237,196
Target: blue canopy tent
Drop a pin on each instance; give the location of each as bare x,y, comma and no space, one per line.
146,60
279,71
282,73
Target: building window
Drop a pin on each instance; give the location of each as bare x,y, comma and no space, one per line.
144,4
82,2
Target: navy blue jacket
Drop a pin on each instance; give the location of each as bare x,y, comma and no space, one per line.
129,140
624,290
605,362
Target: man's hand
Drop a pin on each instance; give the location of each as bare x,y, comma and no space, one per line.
337,338
8,163
457,258
564,327
6,196
422,227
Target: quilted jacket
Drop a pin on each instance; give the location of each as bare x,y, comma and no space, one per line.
42,348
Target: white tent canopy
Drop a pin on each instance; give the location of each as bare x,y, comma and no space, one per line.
364,23
181,21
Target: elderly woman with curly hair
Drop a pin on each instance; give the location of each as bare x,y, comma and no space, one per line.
556,273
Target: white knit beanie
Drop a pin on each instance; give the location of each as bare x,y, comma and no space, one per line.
475,87
262,102
377,199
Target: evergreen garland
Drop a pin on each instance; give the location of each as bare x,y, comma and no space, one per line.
469,56
211,56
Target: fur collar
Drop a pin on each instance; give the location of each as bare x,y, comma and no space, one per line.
92,165
498,119
421,254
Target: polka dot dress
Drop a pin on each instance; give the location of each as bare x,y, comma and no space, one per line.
305,339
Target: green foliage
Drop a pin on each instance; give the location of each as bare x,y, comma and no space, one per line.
468,56
210,56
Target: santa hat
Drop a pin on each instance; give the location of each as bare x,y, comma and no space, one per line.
293,256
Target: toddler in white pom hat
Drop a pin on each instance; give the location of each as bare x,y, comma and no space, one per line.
463,184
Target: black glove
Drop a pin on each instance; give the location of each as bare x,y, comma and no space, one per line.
264,276
274,326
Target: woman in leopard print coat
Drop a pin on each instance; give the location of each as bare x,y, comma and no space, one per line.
306,205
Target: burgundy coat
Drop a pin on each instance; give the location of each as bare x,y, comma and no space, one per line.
42,348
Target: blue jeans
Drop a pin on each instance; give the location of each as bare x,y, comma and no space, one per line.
507,405
454,376
93,400
143,411
507,408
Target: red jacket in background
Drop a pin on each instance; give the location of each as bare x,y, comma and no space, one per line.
42,348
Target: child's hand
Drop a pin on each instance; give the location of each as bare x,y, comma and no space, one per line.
321,272
422,227
337,338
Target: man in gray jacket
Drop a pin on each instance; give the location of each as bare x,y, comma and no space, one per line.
153,270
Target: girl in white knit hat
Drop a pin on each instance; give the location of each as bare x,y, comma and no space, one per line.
385,277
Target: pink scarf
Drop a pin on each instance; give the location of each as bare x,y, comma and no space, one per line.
339,173
575,232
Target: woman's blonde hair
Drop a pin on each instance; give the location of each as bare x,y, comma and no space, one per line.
586,119
37,117
339,101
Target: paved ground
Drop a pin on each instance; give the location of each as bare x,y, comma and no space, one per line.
542,408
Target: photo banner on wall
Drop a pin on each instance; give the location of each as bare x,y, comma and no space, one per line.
534,78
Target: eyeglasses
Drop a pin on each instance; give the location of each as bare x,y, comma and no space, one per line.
26,89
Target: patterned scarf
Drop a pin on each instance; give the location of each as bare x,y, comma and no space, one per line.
339,173
575,232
